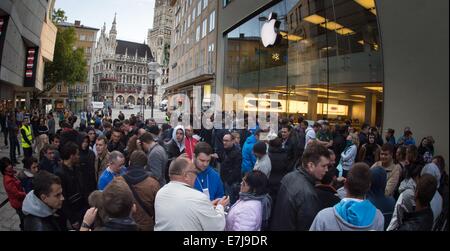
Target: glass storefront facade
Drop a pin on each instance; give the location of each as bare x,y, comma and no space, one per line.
326,63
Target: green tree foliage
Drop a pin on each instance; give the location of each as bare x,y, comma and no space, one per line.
59,16
69,64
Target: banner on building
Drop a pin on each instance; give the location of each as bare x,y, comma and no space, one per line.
31,66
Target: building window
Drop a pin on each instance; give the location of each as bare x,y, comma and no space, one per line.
82,37
58,88
205,25
212,21
193,15
199,8
189,21
226,2
197,34
205,4
290,68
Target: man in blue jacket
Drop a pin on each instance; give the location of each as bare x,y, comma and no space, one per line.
248,158
208,180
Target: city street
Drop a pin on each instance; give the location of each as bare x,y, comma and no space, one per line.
157,114
356,92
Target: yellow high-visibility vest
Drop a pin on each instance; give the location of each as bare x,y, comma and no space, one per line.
28,134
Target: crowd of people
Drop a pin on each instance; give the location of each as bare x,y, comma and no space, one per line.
135,175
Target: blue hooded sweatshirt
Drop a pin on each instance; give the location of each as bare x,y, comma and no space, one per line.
210,179
248,158
349,215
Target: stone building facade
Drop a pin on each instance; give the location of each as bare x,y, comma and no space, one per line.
120,71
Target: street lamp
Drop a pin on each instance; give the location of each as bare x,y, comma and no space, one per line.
142,98
152,75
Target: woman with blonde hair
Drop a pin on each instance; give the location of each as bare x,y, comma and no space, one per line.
41,141
348,155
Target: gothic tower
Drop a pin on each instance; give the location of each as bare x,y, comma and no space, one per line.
159,41
159,37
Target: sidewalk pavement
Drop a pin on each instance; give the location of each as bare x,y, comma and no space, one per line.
9,220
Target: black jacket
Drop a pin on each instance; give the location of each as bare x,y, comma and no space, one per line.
122,224
13,129
230,167
292,149
86,172
173,151
297,202
116,147
3,122
34,223
48,165
338,146
75,204
327,195
417,221
280,168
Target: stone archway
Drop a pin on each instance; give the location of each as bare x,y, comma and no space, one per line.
120,100
131,100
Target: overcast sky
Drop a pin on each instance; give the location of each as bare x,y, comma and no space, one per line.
134,17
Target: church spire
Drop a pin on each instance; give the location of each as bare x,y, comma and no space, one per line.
113,27
104,28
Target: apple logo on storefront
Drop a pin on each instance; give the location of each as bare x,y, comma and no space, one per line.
269,31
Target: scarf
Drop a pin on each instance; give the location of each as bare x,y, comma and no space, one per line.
265,200
348,144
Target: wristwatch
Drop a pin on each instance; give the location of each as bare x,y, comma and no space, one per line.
85,225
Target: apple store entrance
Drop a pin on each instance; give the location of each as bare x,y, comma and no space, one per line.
323,59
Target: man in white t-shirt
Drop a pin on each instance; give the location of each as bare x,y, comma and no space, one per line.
180,207
311,133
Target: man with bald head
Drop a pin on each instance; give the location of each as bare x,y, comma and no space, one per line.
180,207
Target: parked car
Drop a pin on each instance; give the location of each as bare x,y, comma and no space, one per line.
129,106
163,105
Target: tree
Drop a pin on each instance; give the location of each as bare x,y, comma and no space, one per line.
69,64
59,16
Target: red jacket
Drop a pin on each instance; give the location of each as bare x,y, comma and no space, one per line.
14,189
190,144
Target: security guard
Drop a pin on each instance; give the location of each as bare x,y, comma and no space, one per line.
27,138
167,118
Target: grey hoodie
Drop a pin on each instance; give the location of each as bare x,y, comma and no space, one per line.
32,205
436,203
405,202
